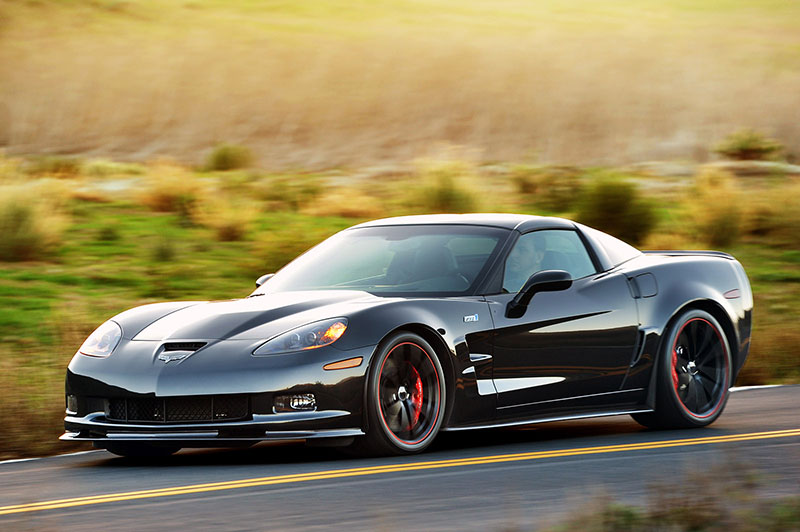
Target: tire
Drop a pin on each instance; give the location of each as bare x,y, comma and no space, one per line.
141,450
693,374
405,397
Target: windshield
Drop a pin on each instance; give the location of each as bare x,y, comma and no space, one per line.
394,260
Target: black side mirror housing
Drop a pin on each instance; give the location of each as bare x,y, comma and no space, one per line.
544,281
263,279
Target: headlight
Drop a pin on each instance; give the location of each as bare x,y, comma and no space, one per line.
303,338
102,341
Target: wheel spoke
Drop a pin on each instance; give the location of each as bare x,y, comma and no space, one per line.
390,375
710,355
703,395
402,418
409,426
691,396
705,342
692,334
708,385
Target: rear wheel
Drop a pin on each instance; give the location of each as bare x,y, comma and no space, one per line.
141,450
405,397
694,374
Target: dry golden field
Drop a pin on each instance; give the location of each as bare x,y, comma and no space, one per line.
342,83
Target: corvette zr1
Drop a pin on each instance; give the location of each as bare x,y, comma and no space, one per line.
393,330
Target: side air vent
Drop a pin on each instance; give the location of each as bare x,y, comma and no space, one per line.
183,346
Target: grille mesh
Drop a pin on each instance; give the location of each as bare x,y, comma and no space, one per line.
193,409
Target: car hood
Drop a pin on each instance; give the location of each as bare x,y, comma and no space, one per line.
259,317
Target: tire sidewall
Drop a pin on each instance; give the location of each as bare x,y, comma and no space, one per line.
667,390
378,431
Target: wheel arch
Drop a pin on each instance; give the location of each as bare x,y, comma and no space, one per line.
719,314
722,317
441,351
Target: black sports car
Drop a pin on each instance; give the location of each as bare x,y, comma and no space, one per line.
393,330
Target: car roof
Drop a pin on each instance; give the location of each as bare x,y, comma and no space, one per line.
520,222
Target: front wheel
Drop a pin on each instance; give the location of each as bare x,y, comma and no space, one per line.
405,397
693,374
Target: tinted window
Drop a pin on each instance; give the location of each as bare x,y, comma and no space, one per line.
429,259
546,250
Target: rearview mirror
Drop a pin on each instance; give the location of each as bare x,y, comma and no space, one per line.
544,281
263,279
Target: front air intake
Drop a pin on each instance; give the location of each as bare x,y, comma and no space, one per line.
183,346
191,409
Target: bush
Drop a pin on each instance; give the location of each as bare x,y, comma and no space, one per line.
163,250
773,215
230,220
105,168
748,144
169,188
288,192
346,203
713,208
54,165
443,188
31,224
229,157
554,188
613,204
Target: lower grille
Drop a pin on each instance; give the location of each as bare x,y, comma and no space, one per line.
192,409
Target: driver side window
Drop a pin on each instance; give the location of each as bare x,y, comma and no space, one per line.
546,250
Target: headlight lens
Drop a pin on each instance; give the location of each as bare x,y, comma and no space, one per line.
102,341
311,336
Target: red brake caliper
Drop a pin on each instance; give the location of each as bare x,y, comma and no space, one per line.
416,399
674,370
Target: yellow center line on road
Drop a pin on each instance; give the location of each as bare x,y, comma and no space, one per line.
376,470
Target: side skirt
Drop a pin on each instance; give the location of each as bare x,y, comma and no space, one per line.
549,419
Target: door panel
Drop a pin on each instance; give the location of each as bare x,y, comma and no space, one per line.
567,344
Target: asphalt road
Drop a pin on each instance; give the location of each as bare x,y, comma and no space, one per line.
488,480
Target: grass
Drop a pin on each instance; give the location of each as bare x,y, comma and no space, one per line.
131,249
337,83
726,495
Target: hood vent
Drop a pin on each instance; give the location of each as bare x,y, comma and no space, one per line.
183,346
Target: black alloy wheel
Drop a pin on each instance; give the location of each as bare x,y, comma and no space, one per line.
694,374
405,397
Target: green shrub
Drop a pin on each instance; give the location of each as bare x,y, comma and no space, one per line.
288,192
163,250
346,203
229,157
554,188
773,215
108,233
31,225
170,188
714,208
443,188
748,144
613,204
54,165
105,168
230,220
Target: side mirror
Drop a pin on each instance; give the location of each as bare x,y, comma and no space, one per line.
263,279
544,281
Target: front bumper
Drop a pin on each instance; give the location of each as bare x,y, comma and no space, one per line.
98,388
271,427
